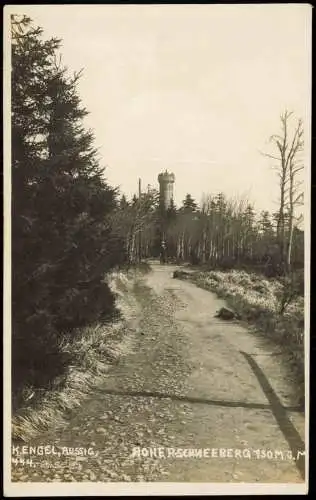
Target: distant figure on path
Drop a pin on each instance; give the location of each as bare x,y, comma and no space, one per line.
163,252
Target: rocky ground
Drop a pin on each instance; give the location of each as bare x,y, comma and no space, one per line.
189,382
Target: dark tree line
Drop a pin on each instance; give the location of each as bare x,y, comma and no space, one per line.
63,240
219,233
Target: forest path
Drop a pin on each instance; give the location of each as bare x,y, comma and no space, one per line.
189,382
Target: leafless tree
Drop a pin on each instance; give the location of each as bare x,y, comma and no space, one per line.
288,166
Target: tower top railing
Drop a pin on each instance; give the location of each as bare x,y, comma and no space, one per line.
166,177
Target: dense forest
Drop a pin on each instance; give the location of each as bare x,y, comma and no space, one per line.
220,233
70,227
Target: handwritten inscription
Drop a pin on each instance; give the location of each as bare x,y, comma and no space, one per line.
235,453
51,456
45,450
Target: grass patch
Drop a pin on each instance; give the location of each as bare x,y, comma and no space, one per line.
90,353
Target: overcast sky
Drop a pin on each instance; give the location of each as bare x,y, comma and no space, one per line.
194,89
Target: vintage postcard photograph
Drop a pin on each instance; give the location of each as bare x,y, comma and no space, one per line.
157,245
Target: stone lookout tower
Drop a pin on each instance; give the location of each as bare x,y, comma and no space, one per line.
166,181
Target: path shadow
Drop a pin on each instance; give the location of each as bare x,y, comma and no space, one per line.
191,399
295,442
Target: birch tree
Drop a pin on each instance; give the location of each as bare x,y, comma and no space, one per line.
288,146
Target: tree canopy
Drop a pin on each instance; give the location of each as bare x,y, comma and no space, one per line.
63,242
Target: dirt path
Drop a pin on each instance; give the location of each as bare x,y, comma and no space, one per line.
190,382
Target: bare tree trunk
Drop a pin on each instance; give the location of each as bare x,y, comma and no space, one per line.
183,246
210,255
132,245
289,249
294,198
281,222
286,171
189,248
204,243
178,247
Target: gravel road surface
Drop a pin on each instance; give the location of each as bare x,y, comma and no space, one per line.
195,399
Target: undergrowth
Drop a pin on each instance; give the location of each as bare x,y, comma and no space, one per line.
89,354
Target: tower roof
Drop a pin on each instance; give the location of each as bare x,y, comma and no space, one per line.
166,176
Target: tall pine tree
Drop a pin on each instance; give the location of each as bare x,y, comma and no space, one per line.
63,242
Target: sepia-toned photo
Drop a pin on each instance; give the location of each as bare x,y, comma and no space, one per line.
157,245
